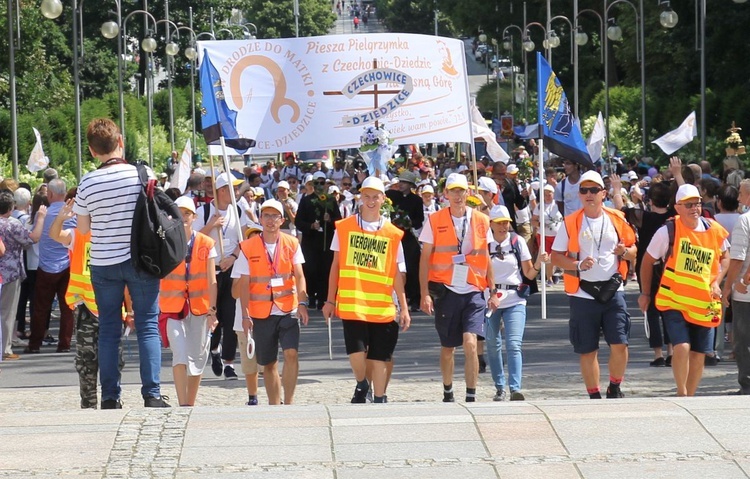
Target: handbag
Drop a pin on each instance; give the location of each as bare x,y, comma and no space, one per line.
602,291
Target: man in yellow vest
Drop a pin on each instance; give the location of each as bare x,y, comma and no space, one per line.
80,297
592,246
454,272
273,294
689,295
368,266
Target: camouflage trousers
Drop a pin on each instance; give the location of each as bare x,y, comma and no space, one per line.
87,355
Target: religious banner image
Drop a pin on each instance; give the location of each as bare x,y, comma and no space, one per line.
314,93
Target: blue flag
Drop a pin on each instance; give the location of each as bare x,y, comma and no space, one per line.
559,128
217,119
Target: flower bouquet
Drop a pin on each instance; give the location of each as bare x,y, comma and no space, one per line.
734,142
387,209
376,148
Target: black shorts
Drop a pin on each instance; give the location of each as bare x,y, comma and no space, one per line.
456,314
269,332
378,340
588,319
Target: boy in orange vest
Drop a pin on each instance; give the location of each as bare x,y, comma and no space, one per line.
368,265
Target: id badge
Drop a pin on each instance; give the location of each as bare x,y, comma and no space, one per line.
277,282
459,258
460,274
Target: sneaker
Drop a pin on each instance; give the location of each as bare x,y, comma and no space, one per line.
49,340
369,397
658,362
448,397
156,402
216,364
229,373
252,402
111,404
712,360
614,392
550,283
360,395
500,395
517,396
668,361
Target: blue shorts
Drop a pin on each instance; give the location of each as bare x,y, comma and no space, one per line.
700,338
456,314
589,318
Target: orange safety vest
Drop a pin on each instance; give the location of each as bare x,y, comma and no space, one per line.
367,270
79,285
445,247
689,272
573,222
179,286
262,295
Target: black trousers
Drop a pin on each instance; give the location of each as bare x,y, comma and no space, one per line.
317,269
412,252
225,310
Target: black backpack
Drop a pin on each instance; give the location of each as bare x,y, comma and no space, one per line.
158,243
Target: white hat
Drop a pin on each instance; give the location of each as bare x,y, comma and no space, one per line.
549,187
488,184
275,204
163,175
592,176
283,184
259,191
535,185
373,183
253,227
499,213
632,175
333,189
318,175
308,178
223,180
428,189
185,202
456,180
686,192
512,169
462,168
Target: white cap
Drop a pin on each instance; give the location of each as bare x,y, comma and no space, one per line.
456,180
488,184
592,176
259,191
224,180
163,175
333,189
428,189
462,168
686,192
549,187
625,178
373,183
185,202
275,204
499,213
535,185
319,175
512,169
632,175
253,227
308,179
283,184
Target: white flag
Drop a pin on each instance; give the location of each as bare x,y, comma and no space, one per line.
481,130
676,139
37,160
596,141
182,169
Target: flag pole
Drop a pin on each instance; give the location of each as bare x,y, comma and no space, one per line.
540,202
231,187
213,193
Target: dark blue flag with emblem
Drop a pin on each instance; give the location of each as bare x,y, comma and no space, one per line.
559,128
217,119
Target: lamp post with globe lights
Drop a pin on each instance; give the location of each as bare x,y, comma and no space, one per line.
508,45
191,54
528,47
170,47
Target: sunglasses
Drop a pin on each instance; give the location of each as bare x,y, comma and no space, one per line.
692,205
593,190
346,184
499,253
319,182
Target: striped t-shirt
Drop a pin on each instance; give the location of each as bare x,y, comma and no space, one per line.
108,196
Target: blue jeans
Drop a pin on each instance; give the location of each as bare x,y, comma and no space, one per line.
514,318
109,285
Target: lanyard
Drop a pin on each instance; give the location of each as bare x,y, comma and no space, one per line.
601,234
275,258
361,225
463,233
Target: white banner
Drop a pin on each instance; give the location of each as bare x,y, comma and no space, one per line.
481,130
596,140
37,159
676,139
182,168
316,93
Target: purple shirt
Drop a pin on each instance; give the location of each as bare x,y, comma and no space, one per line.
16,238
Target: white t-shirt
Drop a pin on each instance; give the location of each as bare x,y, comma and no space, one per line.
728,221
552,218
229,230
524,214
740,249
571,199
507,271
597,239
426,237
242,267
373,226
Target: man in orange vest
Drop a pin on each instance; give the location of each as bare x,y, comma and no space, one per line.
273,295
592,246
80,297
689,295
454,272
368,266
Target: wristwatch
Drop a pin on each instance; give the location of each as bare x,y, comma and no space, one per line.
742,282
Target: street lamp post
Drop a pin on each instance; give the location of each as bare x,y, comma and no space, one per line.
191,54
508,45
483,39
169,48
529,46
